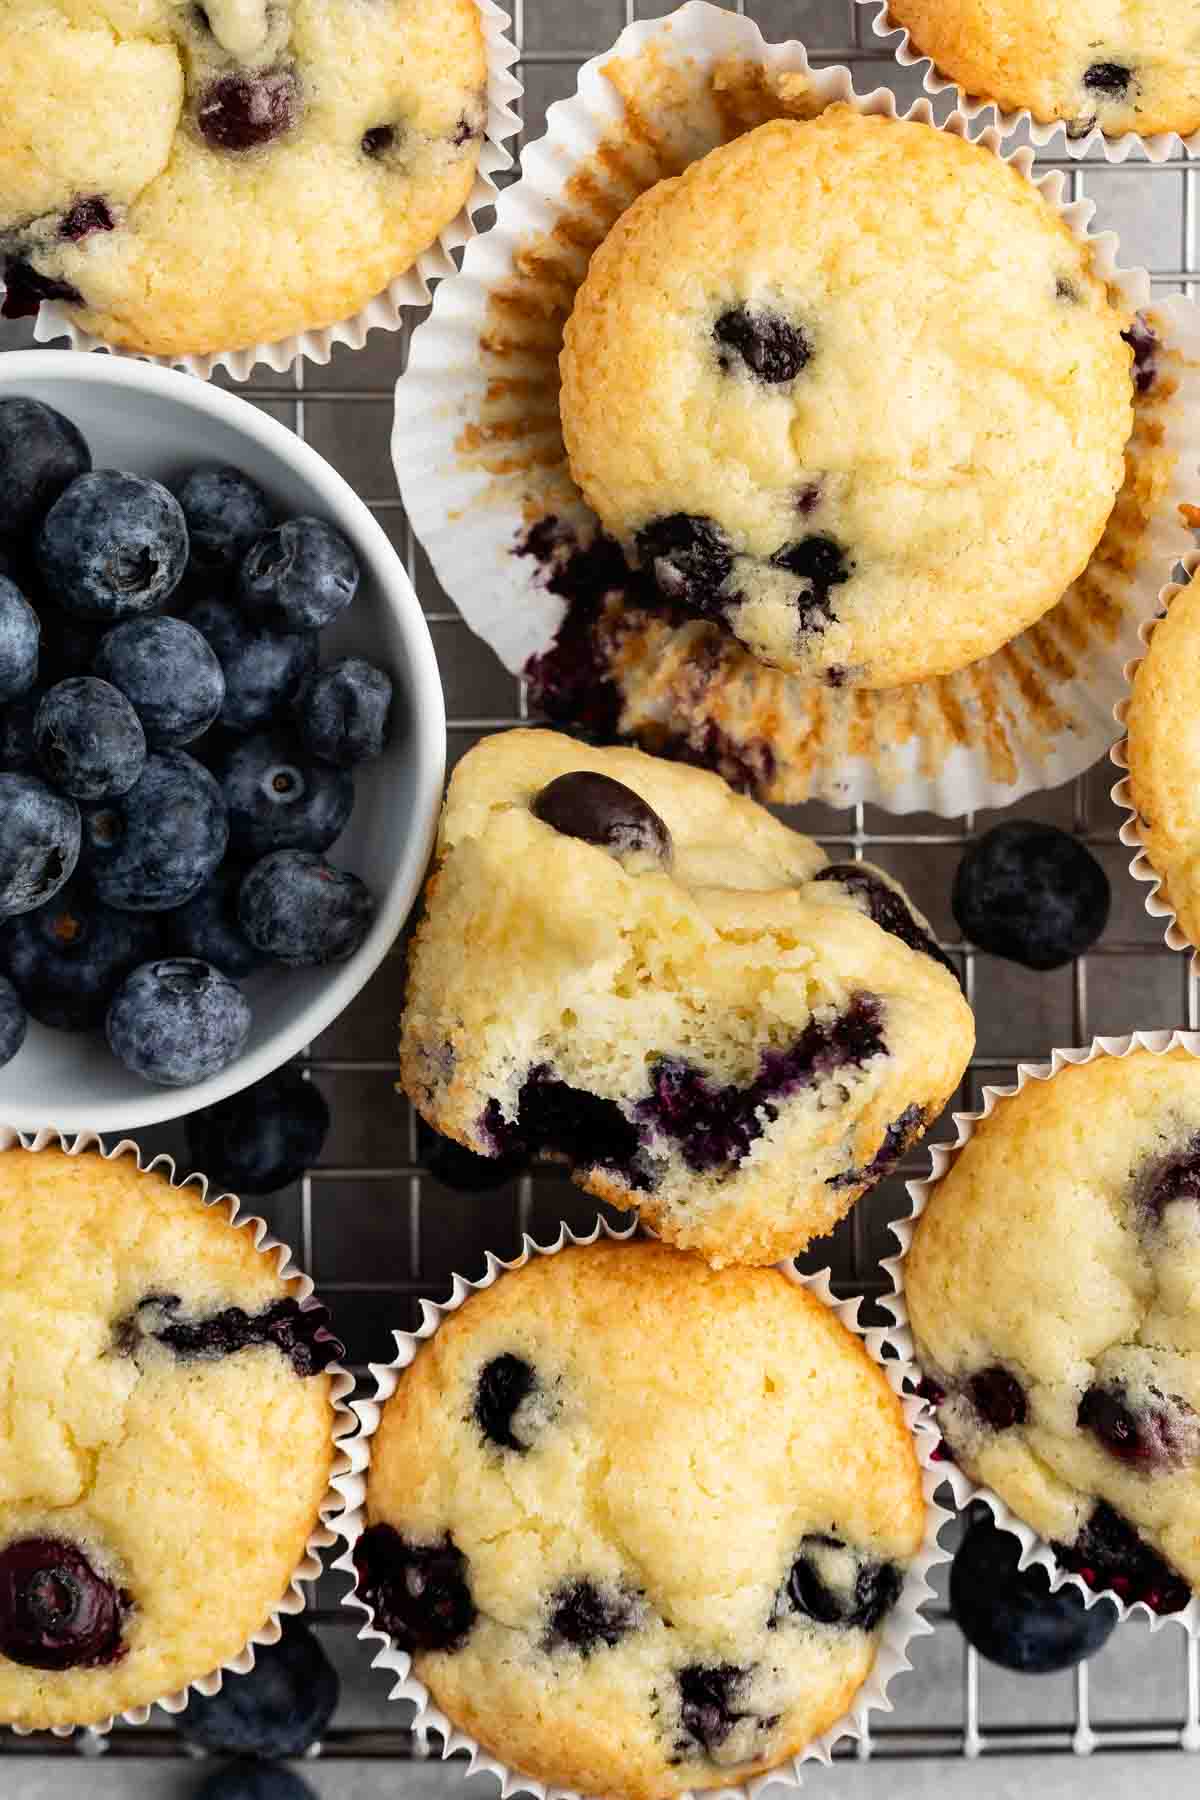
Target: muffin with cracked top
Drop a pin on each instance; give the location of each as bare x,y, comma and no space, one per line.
637,1599
1133,67
852,388
167,1436
1052,1289
188,179
627,965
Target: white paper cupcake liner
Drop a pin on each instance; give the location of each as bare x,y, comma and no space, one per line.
1141,867
341,1385
1157,146
386,311
480,460
904,1623
1035,1549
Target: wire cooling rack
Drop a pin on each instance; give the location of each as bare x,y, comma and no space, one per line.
376,1231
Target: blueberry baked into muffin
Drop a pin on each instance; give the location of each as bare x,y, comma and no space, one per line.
631,1598
851,388
1133,67
1052,1288
166,1437
627,965
192,178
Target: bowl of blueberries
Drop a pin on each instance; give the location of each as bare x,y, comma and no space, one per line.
222,743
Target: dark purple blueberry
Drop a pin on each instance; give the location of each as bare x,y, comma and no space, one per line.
225,513
301,910
1172,1178
207,927
1108,1553
1145,346
264,670
887,907
280,1708
299,577
277,798
56,1610
503,1384
68,958
170,675
998,1398
771,347
301,1334
690,560
875,1591
88,740
241,112
39,843
378,140
1010,1615
25,289
262,1139
586,1129
14,1021
19,635
84,217
583,1616
177,1021
419,1593
155,847
709,1706
896,1139
820,562
344,713
454,1166
1163,1434
113,545
1032,894
1108,78
41,454
602,811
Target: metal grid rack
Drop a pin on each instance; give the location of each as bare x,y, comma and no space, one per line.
370,1206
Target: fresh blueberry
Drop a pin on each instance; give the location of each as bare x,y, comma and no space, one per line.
56,1610
1161,1434
300,576
177,1021
503,1384
68,958
241,112
264,670
262,1139
88,739
602,811
419,1593
690,560
255,1781
998,1398
69,643
280,1708
155,847
207,926
1031,893
41,454
343,715
454,1166
16,732
1109,1553
170,675
887,907
39,843
278,800
301,1334
19,634
584,1615
301,910
113,545
14,1021
1010,1616
771,347
1108,78
225,512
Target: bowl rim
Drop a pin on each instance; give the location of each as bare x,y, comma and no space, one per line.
427,730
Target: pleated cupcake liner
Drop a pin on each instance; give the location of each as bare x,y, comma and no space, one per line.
388,310
904,1624
1034,1548
341,1386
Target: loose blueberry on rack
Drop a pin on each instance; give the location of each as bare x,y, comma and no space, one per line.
1010,1616
454,1166
279,799
68,958
88,740
1162,1432
156,846
19,635
583,1616
177,1021
281,1707
301,910
170,675
225,511
262,1139
39,842
242,112
772,348
41,454
343,714
599,810
207,926
1109,1553
56,1610
244,1780
300,576
264,670
420,1593
887,907
113,545
690,560
504,1384
1031,893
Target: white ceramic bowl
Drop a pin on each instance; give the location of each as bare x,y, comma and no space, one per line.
160,423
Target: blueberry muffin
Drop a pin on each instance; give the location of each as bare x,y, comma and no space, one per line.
1054,1293
1163,753
1133,67
167,1437
852,388
628,1598
629,966
187,179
